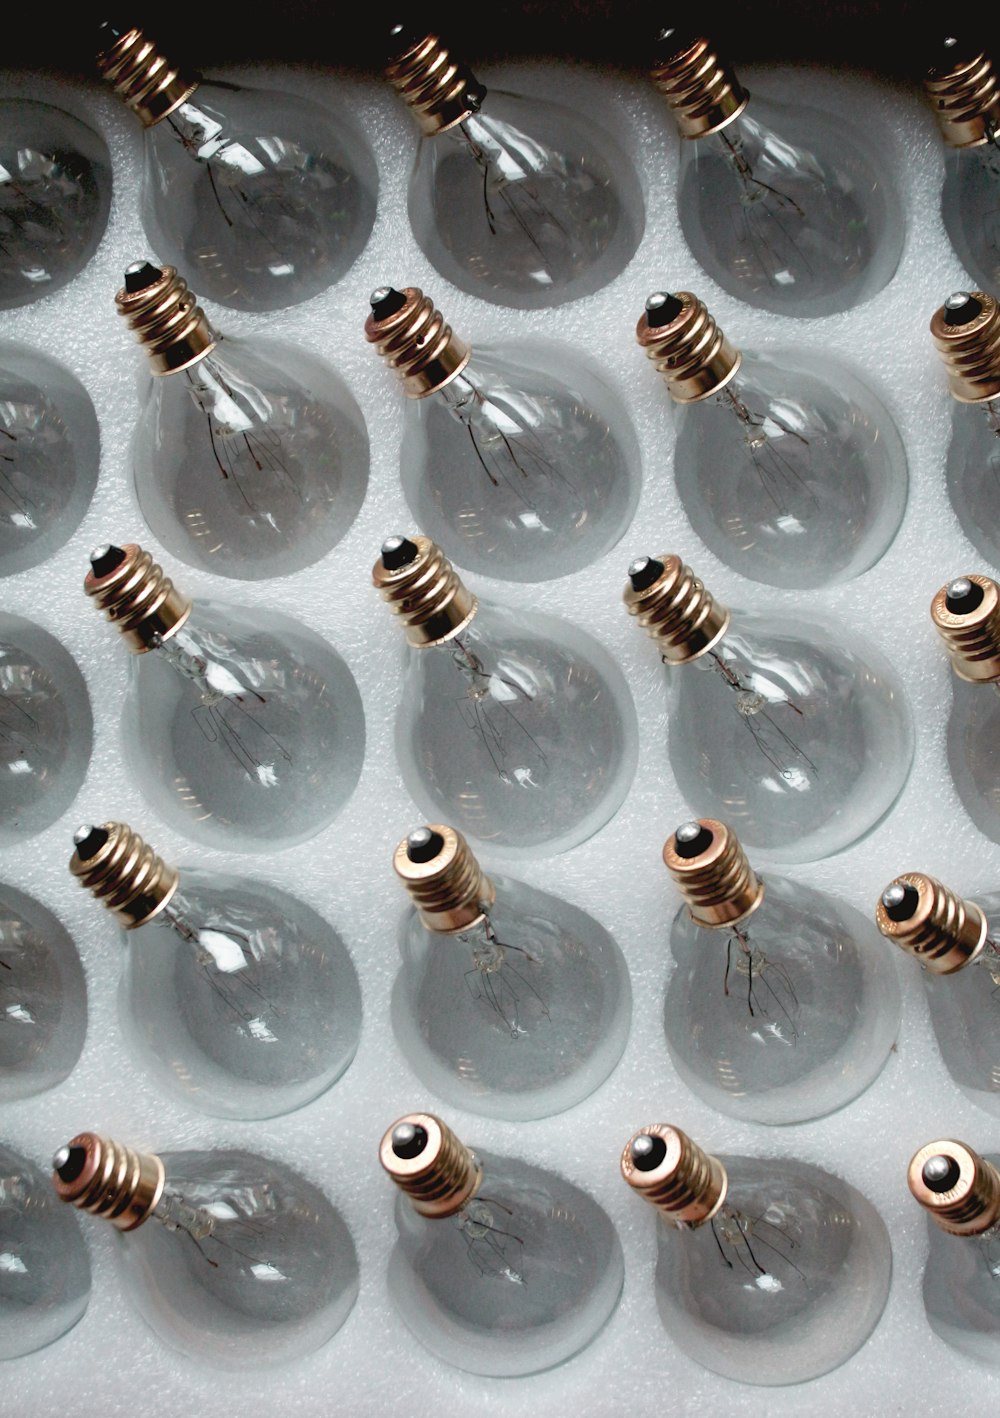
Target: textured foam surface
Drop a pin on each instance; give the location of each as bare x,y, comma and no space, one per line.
111,1362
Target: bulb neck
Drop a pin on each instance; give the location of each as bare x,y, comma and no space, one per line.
969,1203
439,91
702,90
691,352
677,611
136,597
426,594
436,1172
966,101
449,889
972,637
125,875
418,344
142,78
686,1185
168,321
717,882
940,929
108,1179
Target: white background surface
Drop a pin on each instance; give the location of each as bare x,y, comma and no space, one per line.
111,1362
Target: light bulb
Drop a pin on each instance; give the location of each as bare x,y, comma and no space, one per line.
500,1268
49,456
43,998
961,1193
788,468
238,997
966,331
236,1258
957,943
966,614
517,727
769,1270
55,196
790,729
965,96
514,471
509,1002
243,727
46,728
250,458
266,197
788,208
781,1005
45,1275
516,200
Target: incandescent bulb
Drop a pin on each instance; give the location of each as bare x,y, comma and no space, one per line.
518,727
781,1005
516,200
45,1274
235,1258
250,458
509,1002
244,727
769,1270
500,1268
46,729
514,471
239,997
55,195
785,207
788,468
788,728
267,198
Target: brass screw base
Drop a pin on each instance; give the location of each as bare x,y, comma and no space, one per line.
966,101
719,886
943,932
141,77
109,1180
427,595
136,596
442,1177
678,612
451,889
703,92
168,322
973,639
971,1204
691,353
127,876
687,1186
971,352
419,345
439,91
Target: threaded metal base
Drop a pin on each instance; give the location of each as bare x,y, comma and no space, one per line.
427,595
687,1186
137,598
439,91
942,931
677,612
702,90
126,876
971,1203
691,352
970,352
973,638
449,890
109,1180
168,322
966,101
442,1176
718,884
142,78
419,345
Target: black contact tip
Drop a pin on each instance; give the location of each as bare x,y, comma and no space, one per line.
961,307
89,841
691,839
672,40
945,54
398,552
109,32
68,1163
141,275
386,301
648,1151
662,308
423,845
104,560
408,1140
940,1173
403,36
963,596
900,900
644,572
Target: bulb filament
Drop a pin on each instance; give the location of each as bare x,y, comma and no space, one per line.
779,477
18,728
769,987
495,981
226,957
491,1247
51,176
744,1242
245,451
201,1225
18,498
486,709
507,160
765,218
752,706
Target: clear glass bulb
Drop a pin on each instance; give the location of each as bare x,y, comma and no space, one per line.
516,200
518,728
791,729
49,456
243,727
43,998
46,729
237,1259
972,474
970,201
45,1275
518,1278
788,208
55,195
266,198
519,1015
249,461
